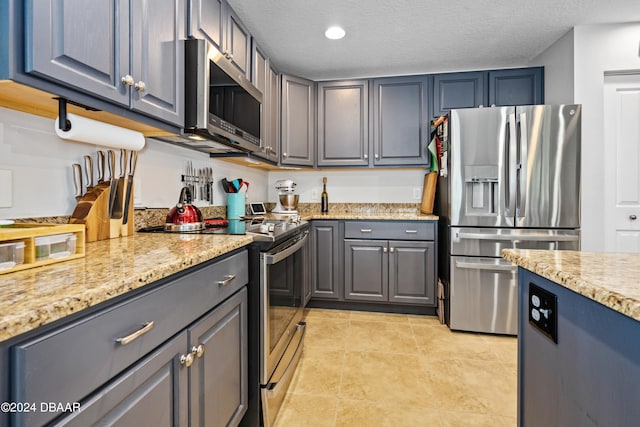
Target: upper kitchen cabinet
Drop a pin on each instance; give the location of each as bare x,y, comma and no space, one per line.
458,90
298,121
343,123
128,52
400,121
216,21
522,86
266,79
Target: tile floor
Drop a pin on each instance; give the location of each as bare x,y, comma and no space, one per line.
378,369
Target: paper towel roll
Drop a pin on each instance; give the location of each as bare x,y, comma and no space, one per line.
99,133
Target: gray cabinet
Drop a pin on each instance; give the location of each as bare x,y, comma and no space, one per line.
521,86
103,358
400,121
266,79
517,86
458,90
218,23
399,271
343,123
325,254
298,121
96,50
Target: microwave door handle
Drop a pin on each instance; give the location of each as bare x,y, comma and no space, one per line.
275,258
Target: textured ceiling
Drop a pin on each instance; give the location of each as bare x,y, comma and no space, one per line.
394,37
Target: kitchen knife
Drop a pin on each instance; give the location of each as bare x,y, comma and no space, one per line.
113,182
101,162
88,170
77,180
127,197
116,212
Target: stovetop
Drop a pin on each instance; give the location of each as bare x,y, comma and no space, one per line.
263,230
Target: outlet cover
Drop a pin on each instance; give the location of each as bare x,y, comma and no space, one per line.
6,188
417,193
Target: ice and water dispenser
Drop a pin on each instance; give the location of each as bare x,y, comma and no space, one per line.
481,189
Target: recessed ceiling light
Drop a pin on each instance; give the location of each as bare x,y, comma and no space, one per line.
334,33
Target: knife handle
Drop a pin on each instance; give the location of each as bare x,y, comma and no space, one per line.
101,162
88,169
111,163
133,160
77,179
123,162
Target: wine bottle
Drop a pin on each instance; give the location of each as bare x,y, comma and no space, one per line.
324,197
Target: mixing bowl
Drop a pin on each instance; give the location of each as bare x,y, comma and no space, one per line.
289,201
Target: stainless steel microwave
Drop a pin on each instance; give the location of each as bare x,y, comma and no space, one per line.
221,104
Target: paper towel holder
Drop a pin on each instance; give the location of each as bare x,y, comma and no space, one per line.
63,123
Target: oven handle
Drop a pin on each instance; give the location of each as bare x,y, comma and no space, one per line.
271,259
293,352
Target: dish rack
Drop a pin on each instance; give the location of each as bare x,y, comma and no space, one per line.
27,245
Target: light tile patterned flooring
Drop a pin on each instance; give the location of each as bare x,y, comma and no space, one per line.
379,369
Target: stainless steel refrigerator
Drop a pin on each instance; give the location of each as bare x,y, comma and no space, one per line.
512,181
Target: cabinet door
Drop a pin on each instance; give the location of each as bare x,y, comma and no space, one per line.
298,121
259,78
400,124
366,270
521,86
218,379
412,277
158,59
273,148
237,41
324,250
343,123
154,392
458,90
205,20
83,47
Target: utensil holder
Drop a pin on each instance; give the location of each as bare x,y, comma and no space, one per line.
235,205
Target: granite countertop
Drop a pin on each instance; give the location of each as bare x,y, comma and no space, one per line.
41,295
38,296
612,279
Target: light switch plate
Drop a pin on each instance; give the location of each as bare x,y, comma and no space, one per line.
6,188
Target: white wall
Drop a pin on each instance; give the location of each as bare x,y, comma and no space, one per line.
40,165
558,70
598,49
355,186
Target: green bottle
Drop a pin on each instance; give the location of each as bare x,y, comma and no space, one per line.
324,197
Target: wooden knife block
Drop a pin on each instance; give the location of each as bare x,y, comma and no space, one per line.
92,210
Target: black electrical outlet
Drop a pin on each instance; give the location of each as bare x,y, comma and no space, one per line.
543,311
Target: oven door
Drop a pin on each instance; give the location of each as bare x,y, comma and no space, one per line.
281,282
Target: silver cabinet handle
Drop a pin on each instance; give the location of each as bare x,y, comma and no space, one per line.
376,156
227,279
365,230
198,350
140,86
633,217
366,156
391,250
411,231
127,80
146,327
284,154
186,359
384,250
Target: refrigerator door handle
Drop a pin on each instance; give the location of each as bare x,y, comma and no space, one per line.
509,168
484,266
523,145
512,237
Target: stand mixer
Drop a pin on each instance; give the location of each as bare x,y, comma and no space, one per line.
287,200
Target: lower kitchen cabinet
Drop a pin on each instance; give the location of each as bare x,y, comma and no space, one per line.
174,355
325,247
394,271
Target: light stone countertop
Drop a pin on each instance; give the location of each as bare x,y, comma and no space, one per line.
612,279
38,296
41,295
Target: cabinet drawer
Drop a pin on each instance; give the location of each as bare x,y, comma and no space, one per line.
67,364
403,230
